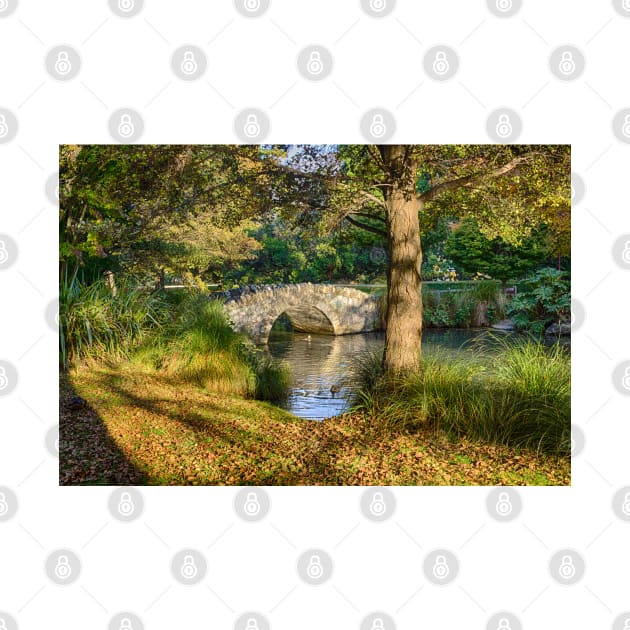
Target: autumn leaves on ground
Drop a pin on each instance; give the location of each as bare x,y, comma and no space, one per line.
137,428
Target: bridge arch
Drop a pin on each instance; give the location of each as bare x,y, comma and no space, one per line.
316,308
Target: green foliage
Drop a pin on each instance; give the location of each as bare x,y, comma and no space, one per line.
197,345
94,323
546,299
462,307
520,398
473,252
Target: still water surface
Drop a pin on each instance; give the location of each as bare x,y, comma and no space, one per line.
319,362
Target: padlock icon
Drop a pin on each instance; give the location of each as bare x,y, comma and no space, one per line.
504,126
4,128
625,506
377,127
440,568
252,5
378,624
189,569
62,64
440,63
252,126
625,5
504,5
504,624
252,504
3,5
4,254
567,63
126,5
315,64
567,568
3,623
625,129
252,624
4,506
626,623
378,5
125,505
63,570
125,624
377,504
189,63
625,255
504,505
626,378
4,379
125,126
314,570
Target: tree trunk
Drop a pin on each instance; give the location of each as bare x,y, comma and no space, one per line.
403,322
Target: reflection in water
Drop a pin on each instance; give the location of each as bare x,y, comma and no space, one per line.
321,362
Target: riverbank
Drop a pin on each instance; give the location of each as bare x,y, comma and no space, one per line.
133,426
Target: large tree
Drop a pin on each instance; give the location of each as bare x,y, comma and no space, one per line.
386,188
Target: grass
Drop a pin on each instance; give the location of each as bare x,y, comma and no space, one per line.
184,337
198,346
95,324
140,427
521,397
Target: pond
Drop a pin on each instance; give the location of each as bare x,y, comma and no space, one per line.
321,362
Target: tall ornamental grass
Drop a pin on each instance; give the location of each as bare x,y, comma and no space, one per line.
519,397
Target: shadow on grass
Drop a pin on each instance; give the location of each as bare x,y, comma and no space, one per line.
87,453
239,449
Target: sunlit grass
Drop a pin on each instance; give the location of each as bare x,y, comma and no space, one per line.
519,397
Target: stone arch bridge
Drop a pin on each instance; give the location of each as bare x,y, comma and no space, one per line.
312,308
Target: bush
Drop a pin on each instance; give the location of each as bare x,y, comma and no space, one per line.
95,324
545,300
520,397
463,308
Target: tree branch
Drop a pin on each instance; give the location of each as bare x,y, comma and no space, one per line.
366,227
473,178
367,215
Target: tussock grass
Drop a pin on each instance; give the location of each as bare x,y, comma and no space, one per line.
520,397
197,345
95,324
185,337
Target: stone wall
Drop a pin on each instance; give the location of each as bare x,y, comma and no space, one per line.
313,308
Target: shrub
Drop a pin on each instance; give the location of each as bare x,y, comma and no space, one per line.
545,300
